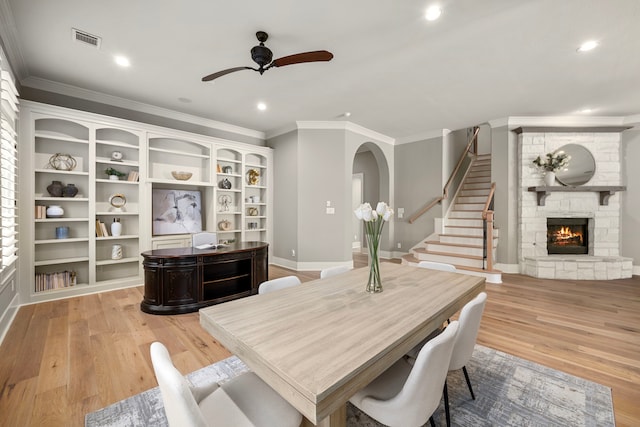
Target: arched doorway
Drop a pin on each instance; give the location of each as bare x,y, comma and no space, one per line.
370,183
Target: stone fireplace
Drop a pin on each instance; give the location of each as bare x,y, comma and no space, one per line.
589,246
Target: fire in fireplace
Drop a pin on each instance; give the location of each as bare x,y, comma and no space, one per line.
567,236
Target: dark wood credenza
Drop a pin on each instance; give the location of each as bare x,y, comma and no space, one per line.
183,280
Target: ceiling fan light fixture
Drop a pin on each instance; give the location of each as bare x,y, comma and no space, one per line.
433,13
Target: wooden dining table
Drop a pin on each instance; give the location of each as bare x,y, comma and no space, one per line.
318,343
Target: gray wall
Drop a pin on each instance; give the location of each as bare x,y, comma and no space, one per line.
418,177
285,195
504,172
322,172
630,199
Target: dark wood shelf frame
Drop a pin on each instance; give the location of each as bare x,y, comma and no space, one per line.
605,191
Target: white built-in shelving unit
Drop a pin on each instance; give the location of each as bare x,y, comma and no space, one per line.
152,153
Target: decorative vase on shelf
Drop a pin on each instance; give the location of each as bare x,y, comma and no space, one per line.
114,177
116,252
55,211
70,190
116,227
549,178
55,188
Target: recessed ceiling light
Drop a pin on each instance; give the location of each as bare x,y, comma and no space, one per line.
588,45
586,110
262,106
433,13
122,61
347,114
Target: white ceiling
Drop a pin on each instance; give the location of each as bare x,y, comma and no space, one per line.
395,72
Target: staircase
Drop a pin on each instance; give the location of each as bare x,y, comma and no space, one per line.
462,241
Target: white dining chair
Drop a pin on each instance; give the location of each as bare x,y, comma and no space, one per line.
277,284
333,271
407,395
244,400
437,266
469,319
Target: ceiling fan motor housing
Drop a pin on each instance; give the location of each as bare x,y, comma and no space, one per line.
261,55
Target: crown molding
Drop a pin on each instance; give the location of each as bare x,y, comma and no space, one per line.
281,131
423,136
343,125
565,121
10,43
632,120
498,123
90,95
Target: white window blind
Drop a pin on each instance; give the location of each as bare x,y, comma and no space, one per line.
8,173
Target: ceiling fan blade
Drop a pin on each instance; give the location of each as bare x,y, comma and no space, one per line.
224,73
298,58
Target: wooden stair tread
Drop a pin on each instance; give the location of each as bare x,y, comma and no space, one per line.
466,236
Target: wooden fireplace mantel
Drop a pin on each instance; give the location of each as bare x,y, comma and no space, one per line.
605,191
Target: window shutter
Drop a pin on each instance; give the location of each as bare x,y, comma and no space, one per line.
8,173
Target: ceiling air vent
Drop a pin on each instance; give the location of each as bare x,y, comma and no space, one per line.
84,37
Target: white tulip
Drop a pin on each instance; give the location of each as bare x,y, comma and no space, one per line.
388,214
381,208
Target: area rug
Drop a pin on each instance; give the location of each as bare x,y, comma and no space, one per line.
509,392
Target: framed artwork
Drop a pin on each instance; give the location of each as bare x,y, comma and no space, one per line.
176,212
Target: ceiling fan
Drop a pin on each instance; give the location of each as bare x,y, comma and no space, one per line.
262,56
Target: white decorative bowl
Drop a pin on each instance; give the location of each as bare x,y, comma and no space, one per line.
181,176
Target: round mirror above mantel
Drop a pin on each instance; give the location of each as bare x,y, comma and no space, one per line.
581,166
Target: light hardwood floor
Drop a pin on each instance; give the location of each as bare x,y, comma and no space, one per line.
65,358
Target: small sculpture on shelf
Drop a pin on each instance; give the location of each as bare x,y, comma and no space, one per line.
116,156
62,162
253,177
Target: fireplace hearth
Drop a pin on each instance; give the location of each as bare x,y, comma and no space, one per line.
567,236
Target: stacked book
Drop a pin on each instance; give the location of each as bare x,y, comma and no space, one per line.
133,176
41,212
59,280
101,229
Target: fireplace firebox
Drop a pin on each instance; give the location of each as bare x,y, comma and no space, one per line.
567,236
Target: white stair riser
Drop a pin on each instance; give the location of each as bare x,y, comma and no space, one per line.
479,173
469,206
471,199
465,214
460,240
464,222
462,250
476,186
480,192
450,260
463,231
459,231
478,180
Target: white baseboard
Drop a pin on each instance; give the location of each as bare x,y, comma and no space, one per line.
508,268
636,270
308,266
